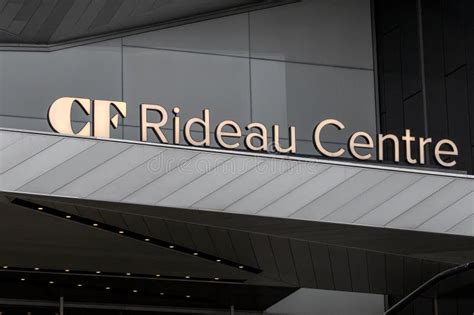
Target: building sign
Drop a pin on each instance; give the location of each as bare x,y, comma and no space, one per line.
228,133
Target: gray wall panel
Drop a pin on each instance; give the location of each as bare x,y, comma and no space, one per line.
188,80
225,36
91,71
340,33
303,95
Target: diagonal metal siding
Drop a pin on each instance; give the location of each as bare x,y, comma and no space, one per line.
198,179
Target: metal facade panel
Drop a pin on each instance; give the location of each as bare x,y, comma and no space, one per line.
244,185
451,216
176,178
432,205
42,162
203,179
343,194
209,182
324,180
73,168
108,171
143,174
15,151
404,200
373,197
271,191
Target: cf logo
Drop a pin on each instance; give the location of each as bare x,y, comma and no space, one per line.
59,116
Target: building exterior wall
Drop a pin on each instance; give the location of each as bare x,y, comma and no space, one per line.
290,65
426,62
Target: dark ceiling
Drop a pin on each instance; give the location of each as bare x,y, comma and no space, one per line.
48,22
278,256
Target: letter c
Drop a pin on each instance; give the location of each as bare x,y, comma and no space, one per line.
317,137
59,115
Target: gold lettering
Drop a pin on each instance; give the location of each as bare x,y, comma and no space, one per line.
292,140
396,147
144,108
368,145
262,137
408,139
423,142
237,133
59,115
438,152
102,120
176,125
317,137
204,122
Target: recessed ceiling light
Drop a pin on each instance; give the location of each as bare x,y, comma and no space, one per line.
36,268
68,217
147,239
216,279
5,267
241,267
79,285
121,232
162,293
97,272
22,279
40,208
158,275
187,277
107,288
135,291
195,254
188,296
218,260
67,270
171,246
51,282
128,273
95,224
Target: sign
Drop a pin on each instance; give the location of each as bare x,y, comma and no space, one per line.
228,133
